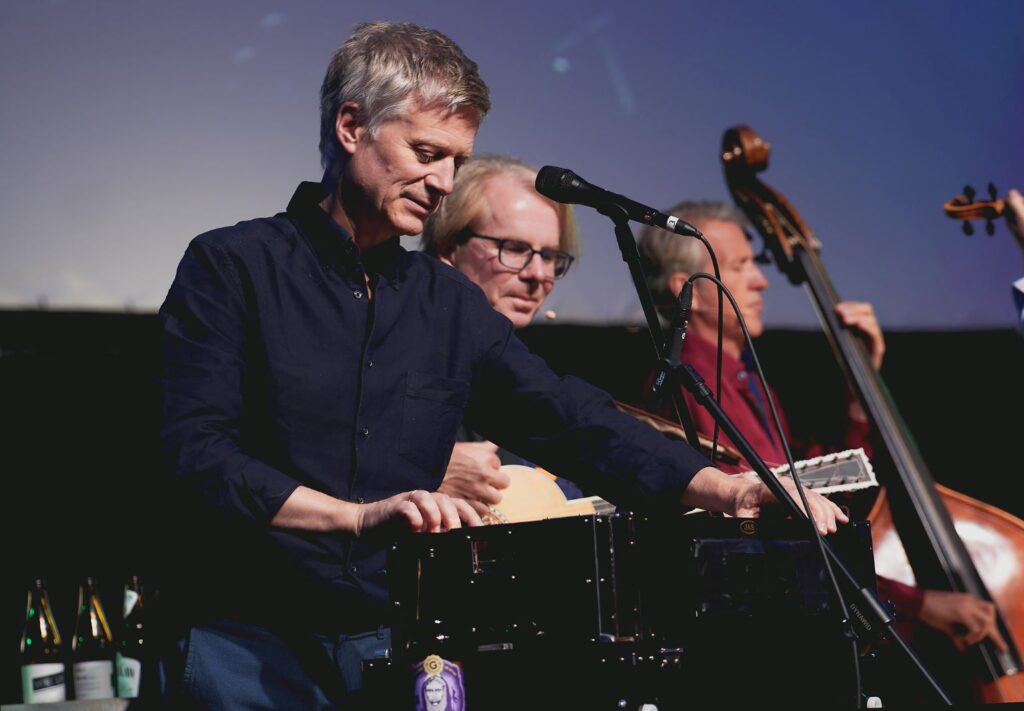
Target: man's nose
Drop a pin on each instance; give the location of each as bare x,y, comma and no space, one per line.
537,269
441,178
759,281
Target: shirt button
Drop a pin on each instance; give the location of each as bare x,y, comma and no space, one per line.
354,569
365,432
369,364
360,500
358,294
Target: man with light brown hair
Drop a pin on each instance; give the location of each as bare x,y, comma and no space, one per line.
514,244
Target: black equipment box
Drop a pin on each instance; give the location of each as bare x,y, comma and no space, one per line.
602,611
618,578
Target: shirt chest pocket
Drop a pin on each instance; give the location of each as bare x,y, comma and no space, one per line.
431,414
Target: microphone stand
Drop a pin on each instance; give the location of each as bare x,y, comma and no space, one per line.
861,603
630,255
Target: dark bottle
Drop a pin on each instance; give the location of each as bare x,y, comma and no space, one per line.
42,661
92,649
132,668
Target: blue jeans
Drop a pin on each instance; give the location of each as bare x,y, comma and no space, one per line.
232,665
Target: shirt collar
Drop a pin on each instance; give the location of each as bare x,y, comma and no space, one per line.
702,355
333,245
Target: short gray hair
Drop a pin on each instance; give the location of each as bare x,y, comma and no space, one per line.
665,253
383,65
442,233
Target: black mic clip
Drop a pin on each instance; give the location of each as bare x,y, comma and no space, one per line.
674,344
664,375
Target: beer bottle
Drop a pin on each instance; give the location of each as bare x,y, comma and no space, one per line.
42,663
92,649
132,672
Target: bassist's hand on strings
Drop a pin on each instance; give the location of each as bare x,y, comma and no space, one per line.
963,617
860,316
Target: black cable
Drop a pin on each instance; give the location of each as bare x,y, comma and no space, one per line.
785,447
856,676
718,358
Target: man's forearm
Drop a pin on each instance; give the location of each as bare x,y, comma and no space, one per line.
311,510
713,490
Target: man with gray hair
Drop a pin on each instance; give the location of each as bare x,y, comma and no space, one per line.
315,376
669,262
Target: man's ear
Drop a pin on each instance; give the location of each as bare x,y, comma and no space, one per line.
348,126
675,283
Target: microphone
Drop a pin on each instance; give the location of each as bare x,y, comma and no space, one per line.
563,185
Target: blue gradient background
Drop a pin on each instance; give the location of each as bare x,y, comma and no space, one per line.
126,128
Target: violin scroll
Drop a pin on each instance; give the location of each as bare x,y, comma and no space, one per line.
965,208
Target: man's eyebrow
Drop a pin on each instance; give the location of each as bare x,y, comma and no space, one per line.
430,142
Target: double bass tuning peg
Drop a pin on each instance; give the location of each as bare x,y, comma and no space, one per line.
993,194
968,228
969,193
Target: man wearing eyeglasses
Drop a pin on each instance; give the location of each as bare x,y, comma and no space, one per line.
513,243
500,232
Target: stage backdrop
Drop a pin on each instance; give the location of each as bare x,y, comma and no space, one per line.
129,126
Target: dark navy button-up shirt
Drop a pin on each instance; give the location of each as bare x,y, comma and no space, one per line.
282,369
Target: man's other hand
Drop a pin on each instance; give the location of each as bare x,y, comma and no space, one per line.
756,495
474,474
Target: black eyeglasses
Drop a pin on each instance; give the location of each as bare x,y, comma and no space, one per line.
516,254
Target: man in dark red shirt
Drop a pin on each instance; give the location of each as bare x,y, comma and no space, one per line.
669,261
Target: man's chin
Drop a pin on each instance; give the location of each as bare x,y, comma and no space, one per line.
408,226
519,319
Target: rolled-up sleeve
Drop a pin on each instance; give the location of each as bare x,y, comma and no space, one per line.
206,323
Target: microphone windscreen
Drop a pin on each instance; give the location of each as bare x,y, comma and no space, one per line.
550,183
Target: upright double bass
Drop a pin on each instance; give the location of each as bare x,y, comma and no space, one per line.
936,553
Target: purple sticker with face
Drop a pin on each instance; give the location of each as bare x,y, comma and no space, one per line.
439,685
